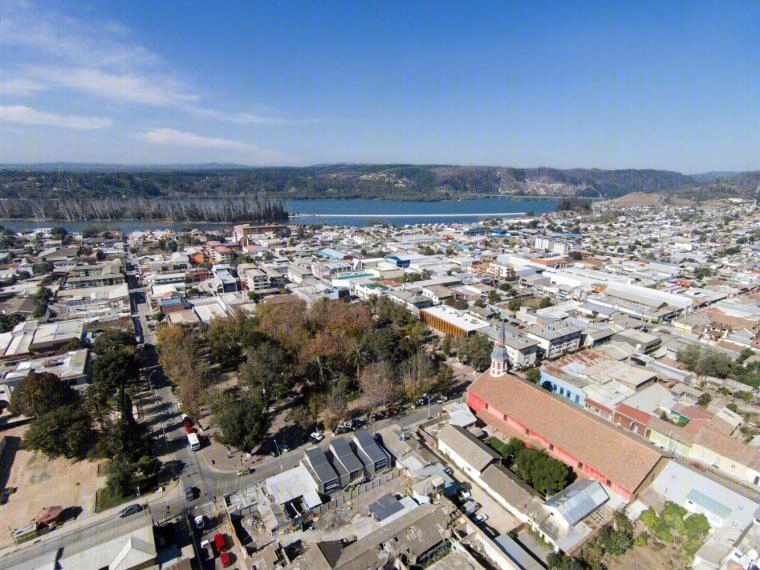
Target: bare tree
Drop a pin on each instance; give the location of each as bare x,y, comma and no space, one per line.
416,373
377,383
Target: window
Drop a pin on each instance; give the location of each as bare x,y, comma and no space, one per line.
577,399
551,447
608,483
580,465
527,431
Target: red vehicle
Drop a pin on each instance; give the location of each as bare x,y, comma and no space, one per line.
186,421
392,411
225,559
220,542
189,428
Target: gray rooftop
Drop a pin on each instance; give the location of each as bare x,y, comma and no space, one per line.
385,506
343,452
322,468
578,501
369,446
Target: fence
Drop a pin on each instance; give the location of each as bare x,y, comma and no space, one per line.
347,496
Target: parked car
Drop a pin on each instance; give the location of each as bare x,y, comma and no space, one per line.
355,423
189,428
207,550
186,420
244,471
220,542
442,399
377,416
225,559
480,519
392,410
200,522
465,493
130,510
191,493
316,436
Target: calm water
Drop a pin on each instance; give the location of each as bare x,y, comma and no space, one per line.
345,213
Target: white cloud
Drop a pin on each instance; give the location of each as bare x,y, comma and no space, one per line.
241,151
28,116
182,138
70,39
134,88
244,118
20,86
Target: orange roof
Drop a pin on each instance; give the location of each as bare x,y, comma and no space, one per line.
602,446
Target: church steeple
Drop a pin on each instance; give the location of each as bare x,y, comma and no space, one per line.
499,358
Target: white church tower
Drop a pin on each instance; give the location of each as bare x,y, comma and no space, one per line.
499,358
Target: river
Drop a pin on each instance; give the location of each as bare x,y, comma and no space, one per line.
356,212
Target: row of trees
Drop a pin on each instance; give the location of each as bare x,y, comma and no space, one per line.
545,474
713,363
98,424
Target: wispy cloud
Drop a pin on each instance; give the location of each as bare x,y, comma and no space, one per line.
28,116
182,138
69,39
245,152
244,118
20,86
134,88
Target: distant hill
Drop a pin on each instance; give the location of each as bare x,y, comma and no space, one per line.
59,181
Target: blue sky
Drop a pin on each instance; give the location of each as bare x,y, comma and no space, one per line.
670,85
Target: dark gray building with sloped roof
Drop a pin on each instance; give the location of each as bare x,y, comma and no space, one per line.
374,457
324,474
346,457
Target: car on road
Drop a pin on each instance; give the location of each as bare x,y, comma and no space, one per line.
316,436
480,519
442,399
200,522
225,559
244,471
130,510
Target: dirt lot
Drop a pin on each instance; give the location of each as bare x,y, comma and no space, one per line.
39,482
652,556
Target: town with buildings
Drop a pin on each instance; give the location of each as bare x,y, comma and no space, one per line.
565,390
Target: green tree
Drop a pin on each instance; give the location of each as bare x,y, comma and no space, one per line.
40,393
65,430
446,345
533,374
704,400
113,340
224,348
242,420
514,305
267,367
616,542
544,303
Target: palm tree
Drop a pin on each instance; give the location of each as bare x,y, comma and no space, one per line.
359,356
323,366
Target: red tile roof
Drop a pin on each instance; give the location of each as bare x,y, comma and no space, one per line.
602,446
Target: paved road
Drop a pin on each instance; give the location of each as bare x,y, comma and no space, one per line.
189,468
